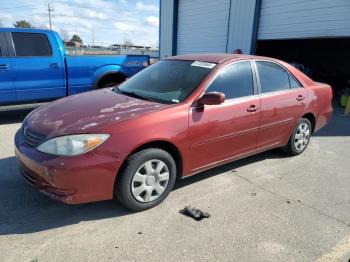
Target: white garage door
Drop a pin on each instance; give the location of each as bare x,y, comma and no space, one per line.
202,26
286,19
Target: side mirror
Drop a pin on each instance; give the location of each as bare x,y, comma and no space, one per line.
212,98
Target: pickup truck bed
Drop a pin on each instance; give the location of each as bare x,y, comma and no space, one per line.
85,72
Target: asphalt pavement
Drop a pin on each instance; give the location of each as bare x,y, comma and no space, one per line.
268,207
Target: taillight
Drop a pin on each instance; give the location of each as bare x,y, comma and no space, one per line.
145,63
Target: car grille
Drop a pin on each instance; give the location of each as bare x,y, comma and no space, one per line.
32,139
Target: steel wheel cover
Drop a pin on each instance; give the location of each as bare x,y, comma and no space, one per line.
301,137
150,181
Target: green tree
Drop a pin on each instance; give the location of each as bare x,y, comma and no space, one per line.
76,38
22,24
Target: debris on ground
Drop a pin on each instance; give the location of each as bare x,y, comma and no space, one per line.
195,213
289,202
253,194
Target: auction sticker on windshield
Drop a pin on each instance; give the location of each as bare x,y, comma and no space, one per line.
203,64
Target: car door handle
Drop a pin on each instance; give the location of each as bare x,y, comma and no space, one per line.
252,108
4,67
53,65
300,98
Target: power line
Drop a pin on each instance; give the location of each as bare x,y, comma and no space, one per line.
74,5
21,6
63,22
98,18
108,10
28,15
139,15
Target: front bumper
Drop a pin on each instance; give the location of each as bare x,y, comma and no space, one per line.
73,180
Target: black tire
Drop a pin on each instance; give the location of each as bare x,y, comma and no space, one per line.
291,148
110,81
123,187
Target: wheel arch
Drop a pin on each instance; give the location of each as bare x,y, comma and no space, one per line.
110,74
167,146
108,70
312,118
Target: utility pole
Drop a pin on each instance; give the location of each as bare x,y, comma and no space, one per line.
49,9
93,38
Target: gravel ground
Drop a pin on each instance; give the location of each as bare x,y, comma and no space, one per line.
267,207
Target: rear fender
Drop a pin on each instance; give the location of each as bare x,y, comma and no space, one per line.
109,69
320,103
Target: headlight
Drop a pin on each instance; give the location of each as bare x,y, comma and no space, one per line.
72,145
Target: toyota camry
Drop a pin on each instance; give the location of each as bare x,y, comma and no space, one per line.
176,118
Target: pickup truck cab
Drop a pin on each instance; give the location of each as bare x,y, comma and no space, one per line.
34,67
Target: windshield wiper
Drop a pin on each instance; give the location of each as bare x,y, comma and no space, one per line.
135,95
129,93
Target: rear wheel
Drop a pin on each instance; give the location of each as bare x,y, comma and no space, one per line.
300,138
110,81
146,179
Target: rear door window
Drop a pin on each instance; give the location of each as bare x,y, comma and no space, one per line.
31,44
293,83
272,76
234,81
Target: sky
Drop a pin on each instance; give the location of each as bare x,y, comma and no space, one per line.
109,21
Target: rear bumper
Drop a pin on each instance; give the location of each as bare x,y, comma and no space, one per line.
324,118
73,180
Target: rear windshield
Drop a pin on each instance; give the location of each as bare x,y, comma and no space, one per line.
168,81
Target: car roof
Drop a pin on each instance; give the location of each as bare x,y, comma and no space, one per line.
212,58
29,30
219,58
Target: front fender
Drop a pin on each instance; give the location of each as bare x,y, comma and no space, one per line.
109,69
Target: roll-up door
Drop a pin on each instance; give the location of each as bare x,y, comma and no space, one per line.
292,19
202,26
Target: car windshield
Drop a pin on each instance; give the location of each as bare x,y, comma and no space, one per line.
168,81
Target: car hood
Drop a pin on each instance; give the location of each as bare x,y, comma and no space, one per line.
86,112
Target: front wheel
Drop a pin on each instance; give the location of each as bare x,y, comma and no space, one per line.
300,138
146,179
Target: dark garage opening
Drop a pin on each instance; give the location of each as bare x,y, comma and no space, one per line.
323,59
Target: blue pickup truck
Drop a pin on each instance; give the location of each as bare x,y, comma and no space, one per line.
34,67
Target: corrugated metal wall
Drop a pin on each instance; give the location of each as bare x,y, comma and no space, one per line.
241,25
283,19
206,26
166,27
202,26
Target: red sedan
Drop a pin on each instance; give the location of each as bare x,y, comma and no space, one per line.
176,118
